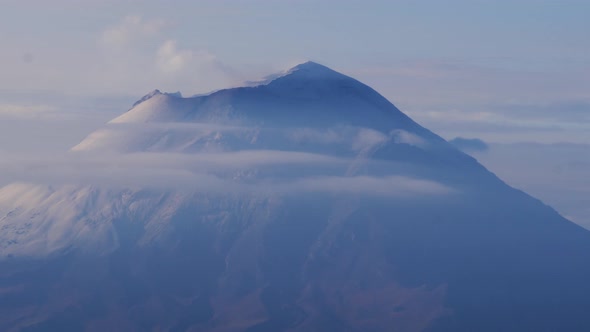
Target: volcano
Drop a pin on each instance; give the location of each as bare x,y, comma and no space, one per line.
305,202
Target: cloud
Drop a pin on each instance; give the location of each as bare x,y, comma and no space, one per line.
27,111
510,123
524,114
359,139
455,97
130,30
469,144
130,57
152,169
139,53
239,171
368,185
577,111
368,139
172,60
404,137
40,121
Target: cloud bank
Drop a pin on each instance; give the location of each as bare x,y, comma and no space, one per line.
219,158
469,144
241,171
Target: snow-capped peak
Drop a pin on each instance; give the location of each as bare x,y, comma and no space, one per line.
313,69
147,96
157,92
309,69
155,106
307,95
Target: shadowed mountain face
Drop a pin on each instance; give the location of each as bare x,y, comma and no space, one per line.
307,203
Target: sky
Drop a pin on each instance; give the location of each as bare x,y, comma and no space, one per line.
506,72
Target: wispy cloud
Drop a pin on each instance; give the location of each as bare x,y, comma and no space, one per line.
470,144
455,97
134,55
27,111
138,50
98,161
368,185
132,29
241,171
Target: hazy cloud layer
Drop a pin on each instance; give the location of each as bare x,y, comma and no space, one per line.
105,159
381,186
41,121
242,171
26,111
464,98
359,138
469,144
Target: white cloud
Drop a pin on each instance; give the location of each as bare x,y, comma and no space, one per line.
404,137
241,171
369,185
130,57
130,30
26,111
456,97
359,139
139,55
145,168
367,139
171,60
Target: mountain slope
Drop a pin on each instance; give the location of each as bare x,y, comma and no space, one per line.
307,203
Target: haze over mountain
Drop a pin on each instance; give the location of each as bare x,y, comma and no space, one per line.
307,202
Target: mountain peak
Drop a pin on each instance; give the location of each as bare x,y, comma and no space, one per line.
309,70
147,96
312,70
315,80
318,95
310,66
156,93
152,93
